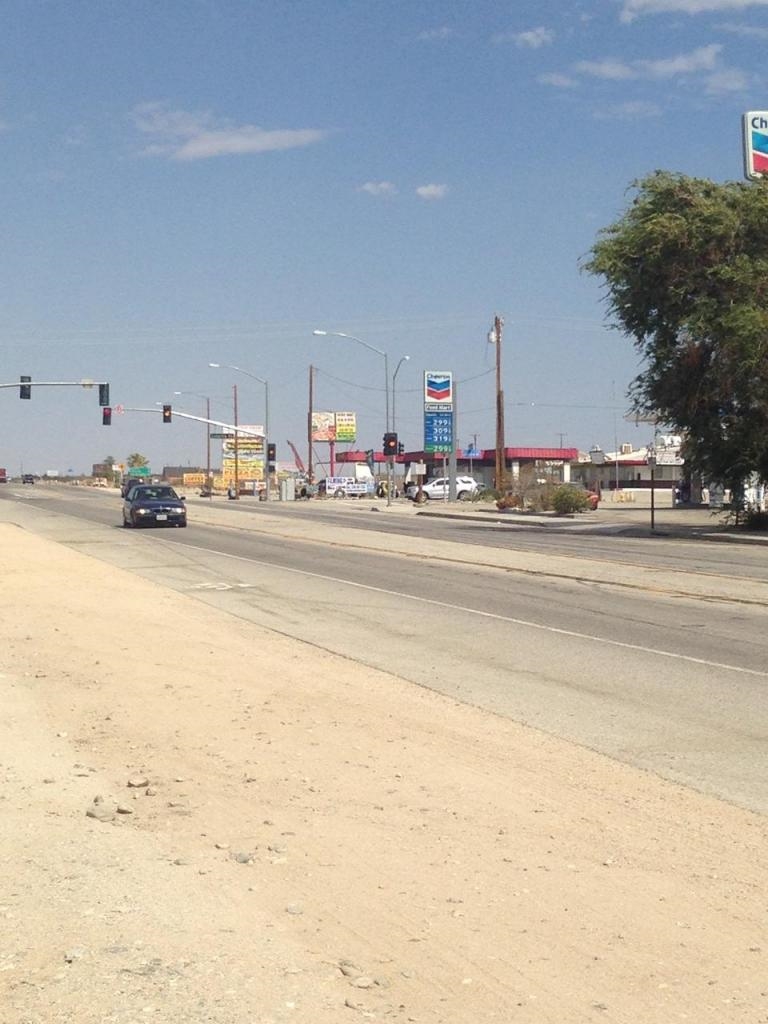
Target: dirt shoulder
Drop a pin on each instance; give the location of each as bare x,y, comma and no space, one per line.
297,838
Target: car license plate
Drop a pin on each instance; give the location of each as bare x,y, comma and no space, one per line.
162,516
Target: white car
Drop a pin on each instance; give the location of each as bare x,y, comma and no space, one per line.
466,488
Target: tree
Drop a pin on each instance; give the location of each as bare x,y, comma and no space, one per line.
686,269
135,460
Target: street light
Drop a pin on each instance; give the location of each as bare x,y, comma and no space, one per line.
403,359
261,380
365,344
651,460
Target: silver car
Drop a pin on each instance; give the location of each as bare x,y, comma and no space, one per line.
466,488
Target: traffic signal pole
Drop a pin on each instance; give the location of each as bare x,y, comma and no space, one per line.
390,462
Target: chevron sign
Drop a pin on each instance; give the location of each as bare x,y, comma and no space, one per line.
755,133
438,389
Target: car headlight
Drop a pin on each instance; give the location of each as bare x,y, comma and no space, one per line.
143,511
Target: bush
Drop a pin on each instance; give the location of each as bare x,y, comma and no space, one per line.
567,500
509,501
755,519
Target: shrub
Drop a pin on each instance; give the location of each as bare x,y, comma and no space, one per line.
755,519
567,500
509,501
485,495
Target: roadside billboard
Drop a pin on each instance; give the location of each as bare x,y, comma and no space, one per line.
346,427
323,426
250,454
334,426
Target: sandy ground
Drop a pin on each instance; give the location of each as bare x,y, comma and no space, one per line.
301,839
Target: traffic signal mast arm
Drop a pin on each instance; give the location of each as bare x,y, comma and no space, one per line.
229,427
56,384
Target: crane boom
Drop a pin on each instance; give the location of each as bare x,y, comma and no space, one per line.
296,457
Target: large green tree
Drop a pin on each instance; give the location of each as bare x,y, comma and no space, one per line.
686,270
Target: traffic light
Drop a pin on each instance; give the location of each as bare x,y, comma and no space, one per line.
106,416
25,391
271,452
167,413
400,447
103,394
390,444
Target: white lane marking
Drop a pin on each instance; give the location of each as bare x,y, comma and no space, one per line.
491,615
221,586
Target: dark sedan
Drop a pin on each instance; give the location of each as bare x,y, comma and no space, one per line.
155,505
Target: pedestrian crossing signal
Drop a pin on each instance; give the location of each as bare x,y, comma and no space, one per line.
106,416
167,413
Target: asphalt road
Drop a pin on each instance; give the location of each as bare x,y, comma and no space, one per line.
671,684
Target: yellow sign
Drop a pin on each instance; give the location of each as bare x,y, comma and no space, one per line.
346,426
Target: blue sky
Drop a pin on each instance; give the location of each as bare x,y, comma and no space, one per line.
186,182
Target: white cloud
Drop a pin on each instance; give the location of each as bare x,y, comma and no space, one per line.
185,135
632,9
727,80
748,31
531,39
431,34
633,110
702,59
609,67
558,80
698,61
379,188
432,191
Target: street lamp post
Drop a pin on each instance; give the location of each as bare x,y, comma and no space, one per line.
365,344
652,465
261,380
403,359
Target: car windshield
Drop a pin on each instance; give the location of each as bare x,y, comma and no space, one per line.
154,494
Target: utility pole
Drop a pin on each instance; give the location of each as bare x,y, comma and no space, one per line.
208,480
237,456
310,477
494,337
